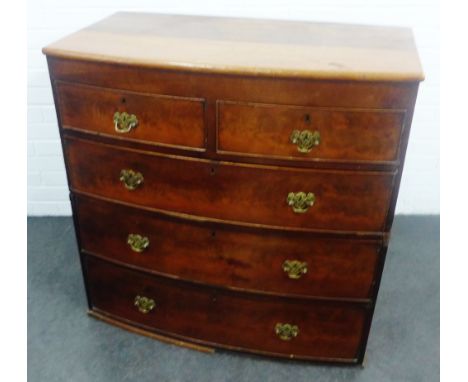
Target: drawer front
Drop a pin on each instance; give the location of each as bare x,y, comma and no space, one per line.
273,262
341,200
235,320
163,120
306,133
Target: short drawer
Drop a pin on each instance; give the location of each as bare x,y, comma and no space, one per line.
247,259
307,133
272,196
288,327
152,119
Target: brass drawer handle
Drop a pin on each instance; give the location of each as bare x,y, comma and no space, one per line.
131,179
305,140
295,268
124,122
286,332
144,304
137,242
300,201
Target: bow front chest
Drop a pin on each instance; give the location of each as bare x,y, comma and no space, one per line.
234,181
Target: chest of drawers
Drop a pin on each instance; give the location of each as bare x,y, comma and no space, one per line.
233,182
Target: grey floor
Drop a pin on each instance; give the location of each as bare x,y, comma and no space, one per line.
64,344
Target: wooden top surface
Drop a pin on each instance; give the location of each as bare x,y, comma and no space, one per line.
247,46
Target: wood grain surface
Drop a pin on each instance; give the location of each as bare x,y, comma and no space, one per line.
236,258
247,47
245,321
344,200
162,120
345,134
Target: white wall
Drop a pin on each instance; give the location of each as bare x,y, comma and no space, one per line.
49,20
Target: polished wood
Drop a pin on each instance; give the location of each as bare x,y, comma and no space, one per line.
247,47
229,257
345,134
348,201
213,148
163,120
225,318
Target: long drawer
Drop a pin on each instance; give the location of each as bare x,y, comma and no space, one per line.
266,195
292,328
259,260
150,118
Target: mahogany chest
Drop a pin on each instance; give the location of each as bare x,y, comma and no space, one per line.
234,181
